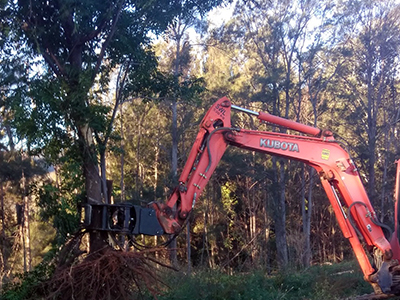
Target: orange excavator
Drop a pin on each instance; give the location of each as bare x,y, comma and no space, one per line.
378,258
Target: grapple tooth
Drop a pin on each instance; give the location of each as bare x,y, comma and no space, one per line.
384,277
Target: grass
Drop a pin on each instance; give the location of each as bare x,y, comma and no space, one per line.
339,281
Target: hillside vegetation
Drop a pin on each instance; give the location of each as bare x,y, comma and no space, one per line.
338,281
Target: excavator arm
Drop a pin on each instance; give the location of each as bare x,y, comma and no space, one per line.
339,177
317,148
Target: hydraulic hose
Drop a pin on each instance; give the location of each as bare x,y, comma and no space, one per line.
373,220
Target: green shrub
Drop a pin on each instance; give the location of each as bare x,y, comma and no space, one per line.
318,282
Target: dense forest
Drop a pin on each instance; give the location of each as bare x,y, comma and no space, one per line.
100,102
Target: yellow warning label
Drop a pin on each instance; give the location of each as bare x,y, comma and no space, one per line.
325,154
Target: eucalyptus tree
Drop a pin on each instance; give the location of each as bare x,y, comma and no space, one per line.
176,60
78,43
270,34
317,64
243,62
369,84
262,53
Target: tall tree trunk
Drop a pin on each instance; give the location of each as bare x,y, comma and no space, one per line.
173,255
3,231
280,214
211,211
122,172
204,248
383,189
308,205
155,184
97,239
3,237
174,133
138,157
252,217
156,159
371,125
27,234
266,248
26,226
303,213
104,186
188,252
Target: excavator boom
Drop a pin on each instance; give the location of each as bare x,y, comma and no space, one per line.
338,173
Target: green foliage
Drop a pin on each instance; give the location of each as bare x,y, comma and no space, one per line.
60,209
58,197
28,284
13,166
37,113
318,282
229,202
228,198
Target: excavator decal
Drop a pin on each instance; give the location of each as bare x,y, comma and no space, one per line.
267,143
220,110
325,154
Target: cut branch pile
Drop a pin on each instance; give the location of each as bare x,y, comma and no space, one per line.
107,274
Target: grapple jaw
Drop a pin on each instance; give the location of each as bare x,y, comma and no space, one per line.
121,218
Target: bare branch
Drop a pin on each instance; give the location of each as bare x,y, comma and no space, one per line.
53,63
108,39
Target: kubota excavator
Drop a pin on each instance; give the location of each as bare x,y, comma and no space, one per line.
317,148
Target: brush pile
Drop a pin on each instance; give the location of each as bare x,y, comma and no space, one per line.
107,274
